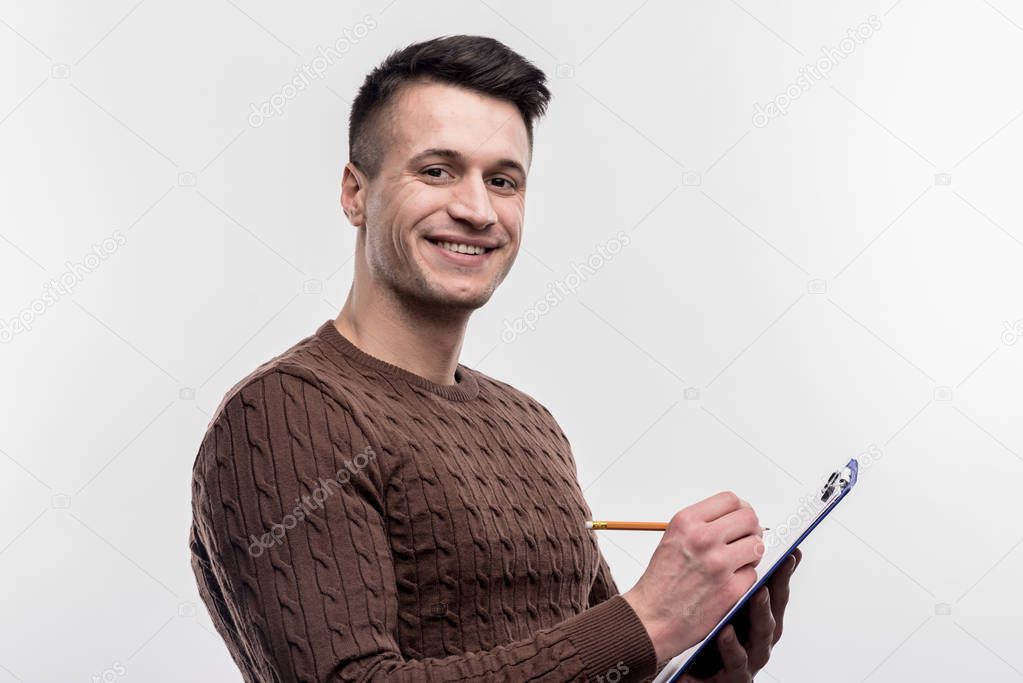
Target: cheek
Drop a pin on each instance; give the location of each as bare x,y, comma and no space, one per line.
395,224
511,217
410,212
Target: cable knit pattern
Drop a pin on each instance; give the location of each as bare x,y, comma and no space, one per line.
353,521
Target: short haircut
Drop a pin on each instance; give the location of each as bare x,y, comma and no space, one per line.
477,63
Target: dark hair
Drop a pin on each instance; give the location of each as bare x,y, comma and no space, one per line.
477,63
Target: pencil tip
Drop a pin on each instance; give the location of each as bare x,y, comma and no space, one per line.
589,524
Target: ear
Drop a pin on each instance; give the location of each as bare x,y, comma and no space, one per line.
353,195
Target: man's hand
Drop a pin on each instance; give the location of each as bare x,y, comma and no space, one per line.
741,659
705,561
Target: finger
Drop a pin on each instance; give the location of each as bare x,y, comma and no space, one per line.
784,571
718,505
748,550
761,629
737,524
779,587
798,554
733,655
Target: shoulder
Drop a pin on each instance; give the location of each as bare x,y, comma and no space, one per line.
281,421
516,400
522,413
503,392
307,365
297,392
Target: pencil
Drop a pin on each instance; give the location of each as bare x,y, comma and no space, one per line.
626,526
630,526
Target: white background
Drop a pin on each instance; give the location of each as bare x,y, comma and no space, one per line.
847,277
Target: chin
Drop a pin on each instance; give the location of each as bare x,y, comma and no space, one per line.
466,301
438,299
458,293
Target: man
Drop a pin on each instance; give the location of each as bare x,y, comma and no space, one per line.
368,509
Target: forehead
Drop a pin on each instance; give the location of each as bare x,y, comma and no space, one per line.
435,115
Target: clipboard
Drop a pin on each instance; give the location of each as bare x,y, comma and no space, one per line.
779,542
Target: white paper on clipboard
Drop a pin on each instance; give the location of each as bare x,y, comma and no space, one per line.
779,542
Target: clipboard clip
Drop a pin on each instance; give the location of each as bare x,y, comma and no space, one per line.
838,480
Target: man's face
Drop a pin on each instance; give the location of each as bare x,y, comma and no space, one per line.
453,171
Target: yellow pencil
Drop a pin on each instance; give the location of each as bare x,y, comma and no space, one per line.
630,526
626,526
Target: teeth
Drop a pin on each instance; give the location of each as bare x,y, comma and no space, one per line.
461,248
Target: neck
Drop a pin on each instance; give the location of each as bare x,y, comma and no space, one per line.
424,342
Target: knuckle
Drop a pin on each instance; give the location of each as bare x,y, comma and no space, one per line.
681,518
701,537
714,565
731,498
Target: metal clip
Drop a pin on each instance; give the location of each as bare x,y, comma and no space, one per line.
839,479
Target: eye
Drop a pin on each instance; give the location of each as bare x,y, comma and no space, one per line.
505,184
435,171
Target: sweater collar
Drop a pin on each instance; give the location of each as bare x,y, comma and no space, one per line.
466,385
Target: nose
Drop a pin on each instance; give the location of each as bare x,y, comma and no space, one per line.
471,204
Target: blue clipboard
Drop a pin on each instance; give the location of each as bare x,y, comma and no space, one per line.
779,542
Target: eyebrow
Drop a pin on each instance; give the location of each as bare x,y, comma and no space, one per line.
455,155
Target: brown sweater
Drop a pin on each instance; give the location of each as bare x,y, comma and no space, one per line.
353,521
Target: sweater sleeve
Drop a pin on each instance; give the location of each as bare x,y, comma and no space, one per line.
291,542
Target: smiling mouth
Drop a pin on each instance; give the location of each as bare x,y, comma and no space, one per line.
460,248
